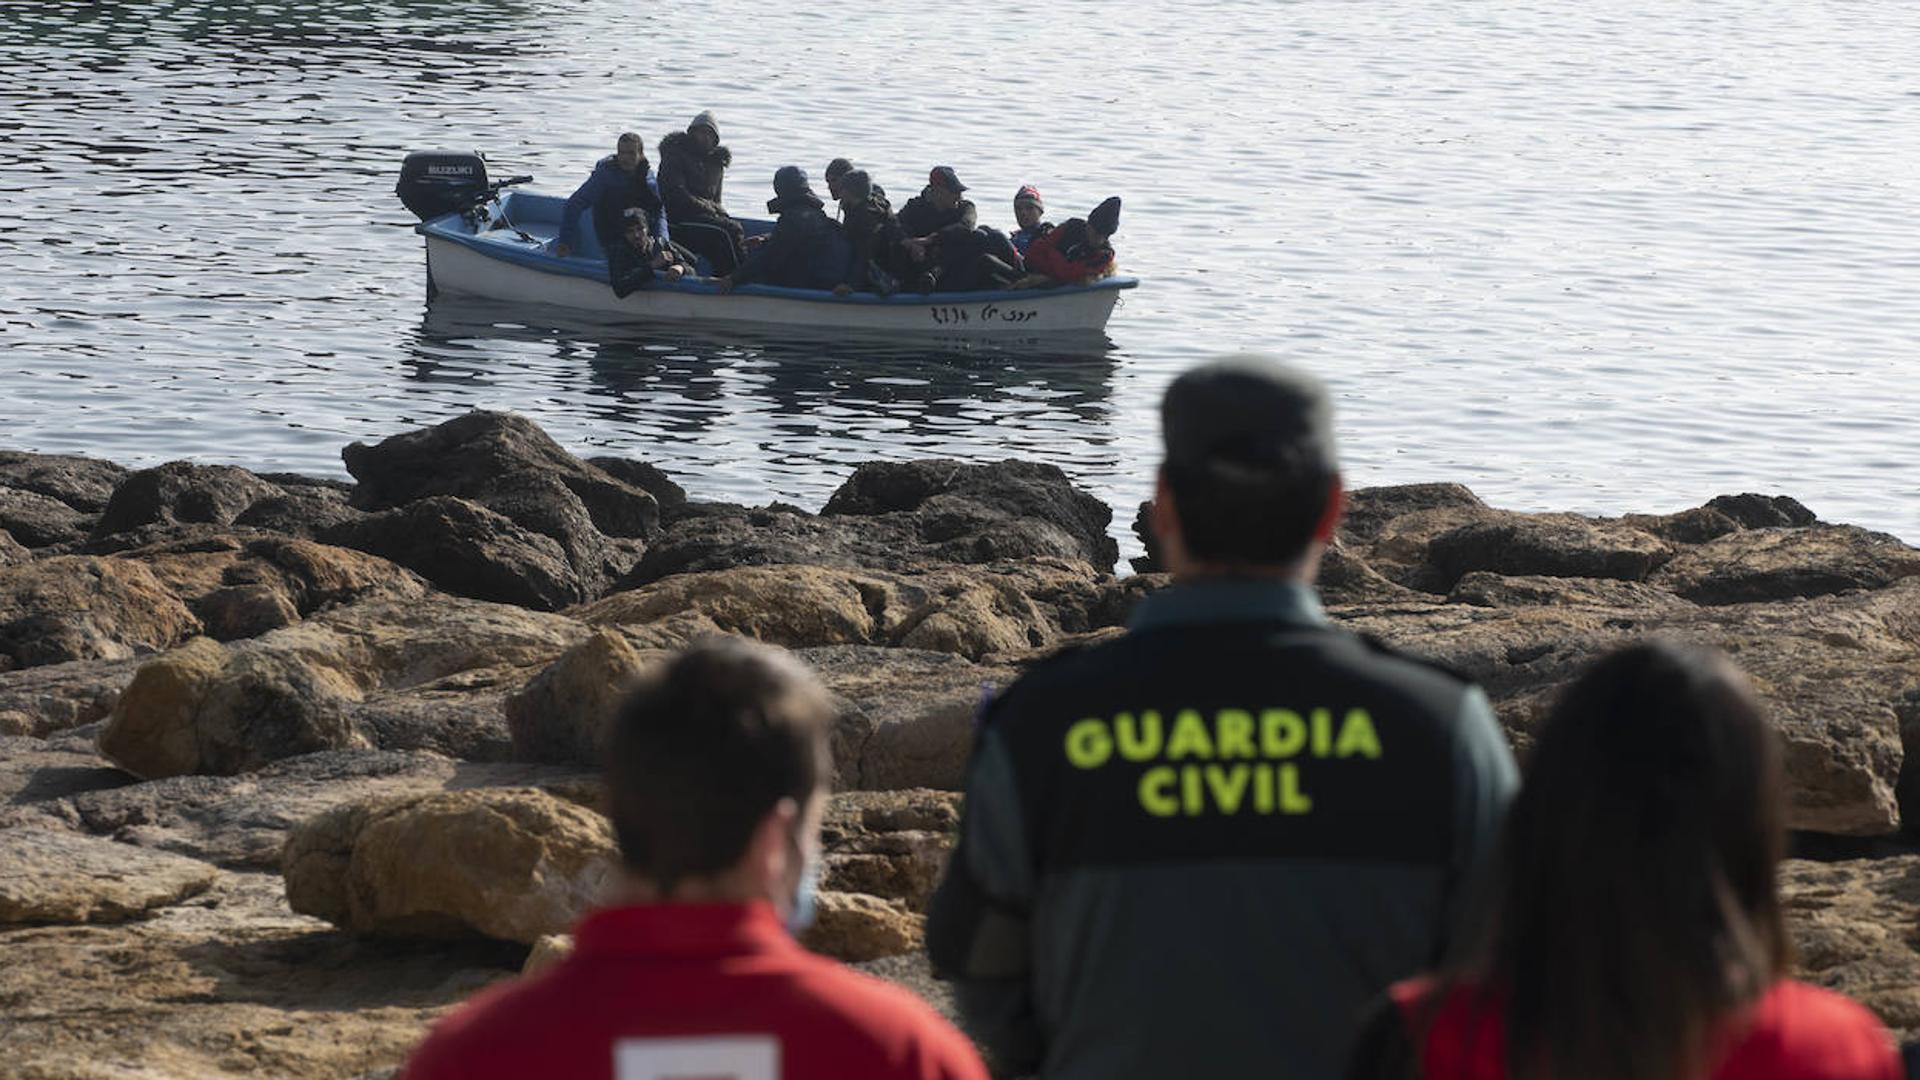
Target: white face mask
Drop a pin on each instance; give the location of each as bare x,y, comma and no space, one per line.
801,910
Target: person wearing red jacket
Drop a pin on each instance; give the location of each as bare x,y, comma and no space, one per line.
1634,930
1081,248
716,784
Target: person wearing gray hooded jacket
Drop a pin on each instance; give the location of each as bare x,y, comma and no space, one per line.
693,168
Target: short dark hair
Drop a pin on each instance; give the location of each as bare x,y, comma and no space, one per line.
1634,902
1259,519
704,747
630,137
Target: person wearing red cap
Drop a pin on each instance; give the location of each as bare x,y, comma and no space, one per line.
1029,213
716,783
937,215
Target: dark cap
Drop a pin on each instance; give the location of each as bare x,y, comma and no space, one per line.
1249,418
856,186
1106,217
944,178
706,120
790,181
838,168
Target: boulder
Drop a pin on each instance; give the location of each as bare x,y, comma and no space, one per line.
39,701
565,713
181,492
1484,589
462,716
37,770
1695,526
890,844
468,550
980,513
74,607
48,876
780,605
305,506
1371,510
855,927
668,495
1552,545
1853,924
1751,511
11,550
510,864
1780,563
906,715
38,521
205,709
81,482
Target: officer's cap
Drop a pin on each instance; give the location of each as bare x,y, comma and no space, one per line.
1248,418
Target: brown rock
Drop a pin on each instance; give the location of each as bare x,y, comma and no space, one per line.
1853,925
1554,545
151,730
11,551
510,864
906,715
58,877
181,492
84,608
55,697
82,483
1778,564
469,550
780,605
548,951
854,927
39,520
564,714
1483,589
37,770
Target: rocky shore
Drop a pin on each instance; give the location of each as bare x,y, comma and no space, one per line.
289,766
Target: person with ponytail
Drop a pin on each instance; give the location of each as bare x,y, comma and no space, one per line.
1632,929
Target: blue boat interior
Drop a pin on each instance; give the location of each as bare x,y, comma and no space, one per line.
520,225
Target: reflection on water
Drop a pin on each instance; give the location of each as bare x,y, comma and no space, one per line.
1558,252
727,405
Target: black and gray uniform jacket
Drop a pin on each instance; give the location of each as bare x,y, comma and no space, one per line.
1201,849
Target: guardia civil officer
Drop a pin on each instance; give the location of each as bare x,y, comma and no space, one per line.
1199,849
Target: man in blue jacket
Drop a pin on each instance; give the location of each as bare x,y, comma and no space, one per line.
1199,850
619,182
807,250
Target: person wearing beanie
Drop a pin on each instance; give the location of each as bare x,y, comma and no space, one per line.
1030,214
1079,250
1201,848
693,166
872,233
807,250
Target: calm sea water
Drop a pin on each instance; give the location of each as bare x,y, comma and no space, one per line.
1605,257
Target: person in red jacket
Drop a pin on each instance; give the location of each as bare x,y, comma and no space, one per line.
1634,930
1080,249
716,783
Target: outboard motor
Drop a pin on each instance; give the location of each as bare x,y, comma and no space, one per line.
433,183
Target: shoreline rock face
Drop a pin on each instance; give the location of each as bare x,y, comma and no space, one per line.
233,701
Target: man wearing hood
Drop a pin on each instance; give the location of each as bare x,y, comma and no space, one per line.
1079,250
620,182
807,249
693,166
872,233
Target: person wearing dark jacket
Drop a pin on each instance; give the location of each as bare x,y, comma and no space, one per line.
807,249
872,233
1081,248
1199,849
644,257
693,167
619,181
938,225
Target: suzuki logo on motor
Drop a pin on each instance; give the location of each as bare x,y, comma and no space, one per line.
449,170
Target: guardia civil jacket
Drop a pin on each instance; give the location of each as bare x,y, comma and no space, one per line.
1199,850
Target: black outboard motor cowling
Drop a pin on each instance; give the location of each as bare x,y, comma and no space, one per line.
436,182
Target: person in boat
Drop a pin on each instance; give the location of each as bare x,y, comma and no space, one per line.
693,167
1079,250
939,212
837,170
644,257
808,249
718,768
1030,214
620,181
1632,928
872,232
1200,849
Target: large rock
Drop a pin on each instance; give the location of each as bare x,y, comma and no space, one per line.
81,482
565,713
37,520
890,844
1781,563
856,927
242,822
1835,673
304,506
980,513
11,550
1853,925
48,876
511,864
37,770
906,715
469,550
1551,545
184,493
74,607
42,700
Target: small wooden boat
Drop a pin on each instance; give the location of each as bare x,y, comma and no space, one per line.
498,250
